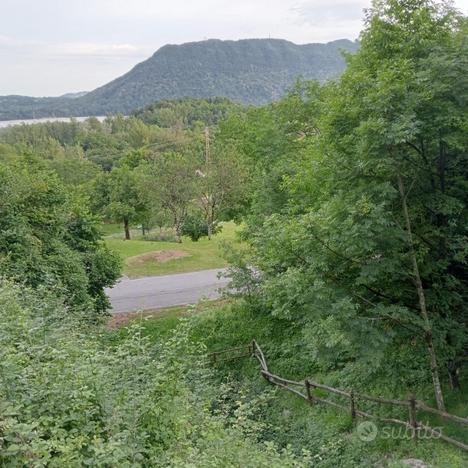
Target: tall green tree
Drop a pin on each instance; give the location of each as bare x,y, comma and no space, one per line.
369,250
220,184
269,142
406,115
172,181
118,196
48,237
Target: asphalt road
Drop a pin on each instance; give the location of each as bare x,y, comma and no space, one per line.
155,292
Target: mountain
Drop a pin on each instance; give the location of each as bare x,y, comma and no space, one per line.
251,71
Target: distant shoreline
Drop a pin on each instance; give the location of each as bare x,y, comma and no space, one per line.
9,123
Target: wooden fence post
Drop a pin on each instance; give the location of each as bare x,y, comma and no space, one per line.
309,393
412,417
352,405
355,398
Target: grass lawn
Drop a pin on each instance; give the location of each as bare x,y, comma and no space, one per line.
108,229
201,255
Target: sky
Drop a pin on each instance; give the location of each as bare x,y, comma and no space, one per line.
52,47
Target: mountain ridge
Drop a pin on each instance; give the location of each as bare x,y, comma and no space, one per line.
250,71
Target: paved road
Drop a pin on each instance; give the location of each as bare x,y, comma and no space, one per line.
154,292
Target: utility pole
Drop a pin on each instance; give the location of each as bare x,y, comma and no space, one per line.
208,195
207,145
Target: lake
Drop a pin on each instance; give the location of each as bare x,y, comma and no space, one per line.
8,123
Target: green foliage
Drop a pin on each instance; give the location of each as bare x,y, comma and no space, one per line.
220,185
49,237
328,433
171,178
73,168
269,142
188,112
136,173
92,144
194,227
71,397
329,241
354,198
160,235
118,196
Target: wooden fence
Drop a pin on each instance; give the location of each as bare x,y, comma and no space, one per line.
305,389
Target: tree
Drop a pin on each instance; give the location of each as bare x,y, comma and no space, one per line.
188,112
121,198
410,123
220,185
369,247
49,238
73,168
269,142
194,227
171,179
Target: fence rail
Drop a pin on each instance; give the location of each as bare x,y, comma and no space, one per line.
415,426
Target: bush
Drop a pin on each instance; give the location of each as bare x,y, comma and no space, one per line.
69,396
195,227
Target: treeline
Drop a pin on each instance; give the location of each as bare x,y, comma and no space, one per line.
188,112
174,174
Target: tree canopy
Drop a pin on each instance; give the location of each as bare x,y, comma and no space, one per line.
365,239
50,237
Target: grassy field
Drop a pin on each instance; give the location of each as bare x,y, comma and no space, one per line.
202,255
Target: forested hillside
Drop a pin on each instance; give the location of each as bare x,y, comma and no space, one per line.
350,270
248,71
188,112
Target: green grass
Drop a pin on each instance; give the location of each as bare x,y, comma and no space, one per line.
318,428
159,324
108,229
202,255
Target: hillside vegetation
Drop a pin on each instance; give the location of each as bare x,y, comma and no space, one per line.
70,397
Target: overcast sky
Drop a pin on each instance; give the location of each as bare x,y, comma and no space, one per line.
51,47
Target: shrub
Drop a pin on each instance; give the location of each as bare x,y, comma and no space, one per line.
195,227
49,237
69,396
